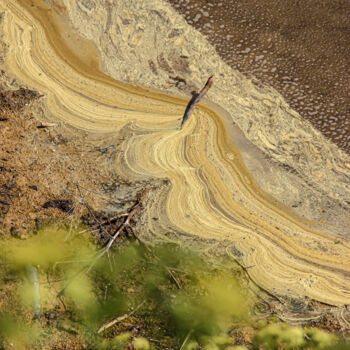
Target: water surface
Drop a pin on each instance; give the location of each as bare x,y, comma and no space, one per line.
301,48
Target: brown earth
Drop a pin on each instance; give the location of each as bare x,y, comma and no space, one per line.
44,176
44,171
47,175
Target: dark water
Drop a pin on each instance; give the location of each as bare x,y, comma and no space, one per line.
300,47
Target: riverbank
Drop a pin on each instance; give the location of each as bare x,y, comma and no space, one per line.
50,188
246,175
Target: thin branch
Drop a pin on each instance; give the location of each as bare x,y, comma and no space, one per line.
186,339
178,285
123,226
195,100
92,214
46,125
32,274
118,319
245,269
113,219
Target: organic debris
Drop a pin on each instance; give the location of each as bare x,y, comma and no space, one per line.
195,100
62,204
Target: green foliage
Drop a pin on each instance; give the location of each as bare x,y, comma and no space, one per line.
222,341
141,344
17,332
43,249
182,297
204,306
282,336
118,343
275,335
209,313
319,339
192,345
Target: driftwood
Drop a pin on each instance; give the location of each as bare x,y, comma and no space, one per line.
118,319
47,125
195,100
126,224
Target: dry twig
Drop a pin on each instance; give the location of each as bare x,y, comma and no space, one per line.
178,285
126,222
32,274
195,100
186,339
118,319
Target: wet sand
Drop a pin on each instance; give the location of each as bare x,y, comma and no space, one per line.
301,48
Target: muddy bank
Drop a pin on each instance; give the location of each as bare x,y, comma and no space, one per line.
246,175
50,174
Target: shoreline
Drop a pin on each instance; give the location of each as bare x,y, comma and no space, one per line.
216,191
299,49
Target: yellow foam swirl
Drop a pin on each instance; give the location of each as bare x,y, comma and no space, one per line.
211,195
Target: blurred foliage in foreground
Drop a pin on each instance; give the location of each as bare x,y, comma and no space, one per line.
60,282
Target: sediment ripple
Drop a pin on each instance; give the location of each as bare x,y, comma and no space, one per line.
211,195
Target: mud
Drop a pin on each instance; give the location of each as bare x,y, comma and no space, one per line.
48,174
299,48
246,175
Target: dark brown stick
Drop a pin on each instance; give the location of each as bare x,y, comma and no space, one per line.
195,100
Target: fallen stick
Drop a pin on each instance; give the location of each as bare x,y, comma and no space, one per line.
118,319
129,215
113,219
186,339
195,100
46,125
126,224
178,285
91,212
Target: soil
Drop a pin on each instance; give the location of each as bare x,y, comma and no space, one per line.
44,176
49,174
42,179
41,167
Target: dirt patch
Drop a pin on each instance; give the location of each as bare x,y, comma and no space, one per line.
55,174
51,174
42,169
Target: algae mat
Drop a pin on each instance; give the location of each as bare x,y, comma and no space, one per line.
219,187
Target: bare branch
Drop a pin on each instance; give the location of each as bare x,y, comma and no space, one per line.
128,216
195,100
118,319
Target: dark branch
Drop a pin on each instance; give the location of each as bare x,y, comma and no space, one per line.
195,100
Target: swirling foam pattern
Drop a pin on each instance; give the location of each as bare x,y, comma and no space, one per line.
212,195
